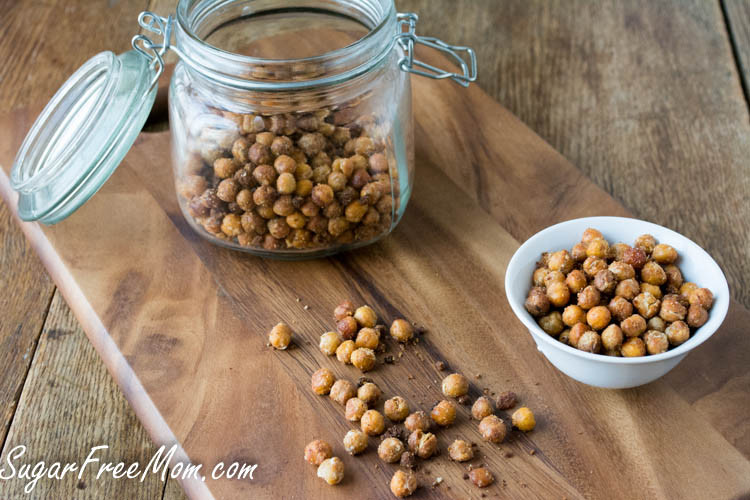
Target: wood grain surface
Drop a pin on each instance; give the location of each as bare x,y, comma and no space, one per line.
551,60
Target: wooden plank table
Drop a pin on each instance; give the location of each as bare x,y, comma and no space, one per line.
589,133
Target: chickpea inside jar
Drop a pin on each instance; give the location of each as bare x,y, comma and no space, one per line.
291,122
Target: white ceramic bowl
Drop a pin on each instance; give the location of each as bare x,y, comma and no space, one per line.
597,369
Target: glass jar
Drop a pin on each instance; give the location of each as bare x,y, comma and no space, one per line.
291,121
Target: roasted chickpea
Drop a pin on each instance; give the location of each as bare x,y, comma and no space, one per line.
506,400
344,351
593,265
564,336
633,326
621,270
402,331
322,381
329,342
598,248
697,316
322,195
554,277
355,442
674,278
646,304
558,293
589,235
422,444
227,190
460,451
576,281
590,342
573,314
347,327
403,484
633,347
363,358
578,252
611,338
331,470
418,421
664,254
346,308
605,281
369,393
365,317
372,423
523,419
396,409
481,408
701,297
481,477
598,317
552,323
656,323
687,287
628,289
576,332
620,308
355,408
225,167
656,342
589,297
653,273
652,289
678,332
368,337
671,309
390,450
645,242
280,336
231,225
538,277
455,385
618,250
444,413
342,391
492,429
317,451
635,257
560,261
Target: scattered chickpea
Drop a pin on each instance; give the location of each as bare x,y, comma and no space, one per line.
677,333
365,317
322,381
633,326
363,358
342,391
633,347
590,342
396,409
372,423
656,342
403,484
558,293
506,400
493,429
347,327
401,330
390,450
331,470
418,421
329,342
280,336
317,451
369,393
346,308
444,413
481,477
552,323
355,408
460,451
523,419
598,317
612,338
344,351
355,442
368,337
423,444
455,385
481,408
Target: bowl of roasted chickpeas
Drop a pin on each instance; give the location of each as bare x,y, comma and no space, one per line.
615,302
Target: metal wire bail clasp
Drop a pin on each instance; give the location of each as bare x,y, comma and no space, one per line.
408,38
152,51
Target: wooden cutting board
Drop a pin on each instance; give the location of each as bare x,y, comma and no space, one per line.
181,325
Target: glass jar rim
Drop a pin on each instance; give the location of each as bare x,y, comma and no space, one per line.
235,70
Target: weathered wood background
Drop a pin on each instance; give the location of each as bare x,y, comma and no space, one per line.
645,97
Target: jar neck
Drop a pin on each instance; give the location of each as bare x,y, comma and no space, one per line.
196,20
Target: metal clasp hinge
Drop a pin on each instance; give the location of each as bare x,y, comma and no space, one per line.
154,51
407,39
